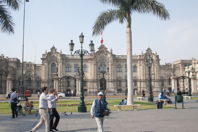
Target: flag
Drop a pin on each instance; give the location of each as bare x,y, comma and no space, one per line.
101,41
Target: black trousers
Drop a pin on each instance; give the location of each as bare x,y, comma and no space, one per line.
14,110
54,113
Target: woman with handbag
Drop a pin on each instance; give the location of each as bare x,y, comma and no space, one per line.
99,110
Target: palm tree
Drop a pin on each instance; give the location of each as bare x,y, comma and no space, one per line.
123,13
6,22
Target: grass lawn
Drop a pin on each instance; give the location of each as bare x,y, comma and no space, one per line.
194,98
72,105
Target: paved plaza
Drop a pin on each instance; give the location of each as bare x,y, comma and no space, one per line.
157,120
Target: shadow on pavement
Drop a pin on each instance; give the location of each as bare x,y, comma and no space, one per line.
83,129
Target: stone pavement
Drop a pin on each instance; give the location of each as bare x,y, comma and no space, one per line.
162,120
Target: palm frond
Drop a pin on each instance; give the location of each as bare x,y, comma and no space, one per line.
13,4
6,22
147,6
113,2
105,18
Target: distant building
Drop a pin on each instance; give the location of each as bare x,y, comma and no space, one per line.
103,70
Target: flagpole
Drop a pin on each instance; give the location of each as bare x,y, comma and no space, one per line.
23,42
101,41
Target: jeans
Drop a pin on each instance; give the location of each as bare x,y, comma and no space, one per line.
44,118
54,113
99,121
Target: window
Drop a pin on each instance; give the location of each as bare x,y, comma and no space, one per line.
29,82
102,67
85,68
119,83
53,68
134,68
169,81
119,90
119,68
125,67
76,68
68,68
135,83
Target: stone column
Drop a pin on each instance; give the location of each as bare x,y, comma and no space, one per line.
111,77
193,85
77,86
56,84
9,85
174,85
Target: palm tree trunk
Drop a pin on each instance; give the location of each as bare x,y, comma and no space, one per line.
129,62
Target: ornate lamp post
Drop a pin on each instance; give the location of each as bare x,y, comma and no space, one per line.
149,61
189,83
81,52
103,81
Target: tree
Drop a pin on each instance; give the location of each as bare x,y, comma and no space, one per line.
6,22
123,13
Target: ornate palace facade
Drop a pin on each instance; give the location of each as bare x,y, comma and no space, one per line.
103,70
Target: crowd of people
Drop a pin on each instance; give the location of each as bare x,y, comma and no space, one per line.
47,109
48,112
50,116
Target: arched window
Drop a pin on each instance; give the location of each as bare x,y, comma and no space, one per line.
102,67
68,68
53,68
119,68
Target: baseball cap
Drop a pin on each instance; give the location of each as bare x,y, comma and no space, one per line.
100,94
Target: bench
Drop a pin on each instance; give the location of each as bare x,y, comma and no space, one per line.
140,98
187,97
133,107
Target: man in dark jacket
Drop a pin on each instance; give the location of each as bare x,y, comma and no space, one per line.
97,110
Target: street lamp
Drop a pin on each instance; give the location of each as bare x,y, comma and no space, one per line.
81,52
149,61
102,80
189,83
23,42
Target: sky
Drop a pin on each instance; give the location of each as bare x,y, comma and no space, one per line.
56,22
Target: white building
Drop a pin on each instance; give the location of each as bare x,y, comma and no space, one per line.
103,70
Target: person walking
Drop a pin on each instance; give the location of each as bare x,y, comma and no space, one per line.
43,110
52,110
13,102
98,108
143,93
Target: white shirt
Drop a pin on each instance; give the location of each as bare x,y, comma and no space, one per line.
52,103
43,101
13,96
